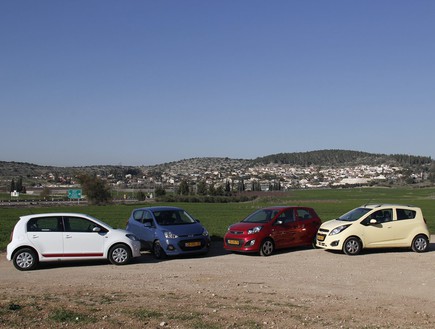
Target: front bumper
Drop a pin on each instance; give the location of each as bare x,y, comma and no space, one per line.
135,249
240,243
180,246
329,242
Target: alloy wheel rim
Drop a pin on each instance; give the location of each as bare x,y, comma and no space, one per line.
24,260
420,244
267,248
352,246
119,255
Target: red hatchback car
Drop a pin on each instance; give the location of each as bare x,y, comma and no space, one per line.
273,228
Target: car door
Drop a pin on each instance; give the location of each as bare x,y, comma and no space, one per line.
382,233
306,228
284,229
46,235
83,238
143,226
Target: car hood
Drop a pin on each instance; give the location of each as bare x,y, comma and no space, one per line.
331,224
244,226
185,229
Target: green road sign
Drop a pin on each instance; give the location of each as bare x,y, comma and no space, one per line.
74,194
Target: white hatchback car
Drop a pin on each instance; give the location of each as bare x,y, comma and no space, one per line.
68,236
375,226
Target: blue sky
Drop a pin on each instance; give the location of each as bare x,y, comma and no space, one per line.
89,82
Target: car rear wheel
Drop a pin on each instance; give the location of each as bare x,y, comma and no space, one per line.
119,254
267,248
158,251
25,259
352,246
420,243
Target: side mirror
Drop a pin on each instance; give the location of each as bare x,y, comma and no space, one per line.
147,224
96,229
279,222
373,221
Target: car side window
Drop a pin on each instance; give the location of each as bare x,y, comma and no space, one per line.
138,215
288,216
303,214
403,214
382,216
79,224
148,218
45,224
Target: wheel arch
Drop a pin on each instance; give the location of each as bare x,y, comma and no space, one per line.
116,244
17,249
356,237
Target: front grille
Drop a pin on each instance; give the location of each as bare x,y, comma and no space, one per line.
236,232
323,230
190,235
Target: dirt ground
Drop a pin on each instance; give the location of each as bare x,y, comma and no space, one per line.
302,288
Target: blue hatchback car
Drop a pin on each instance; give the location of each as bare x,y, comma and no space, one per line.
168,231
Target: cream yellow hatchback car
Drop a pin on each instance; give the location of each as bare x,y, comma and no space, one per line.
375,226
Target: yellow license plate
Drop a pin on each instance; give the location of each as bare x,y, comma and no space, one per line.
234,242
193,244
320,237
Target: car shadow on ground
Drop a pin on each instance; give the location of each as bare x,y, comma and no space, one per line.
216,250
372,251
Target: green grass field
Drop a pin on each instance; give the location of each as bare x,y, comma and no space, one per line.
216,217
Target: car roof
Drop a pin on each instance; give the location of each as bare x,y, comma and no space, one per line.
56,214
65,214
158,208
283,207
382,205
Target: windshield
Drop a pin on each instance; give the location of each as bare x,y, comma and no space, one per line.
354,214
173,217
261,216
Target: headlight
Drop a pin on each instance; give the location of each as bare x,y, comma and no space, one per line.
255,229
170,235
205,232
132,237
339,229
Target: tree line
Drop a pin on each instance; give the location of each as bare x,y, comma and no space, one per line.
343,157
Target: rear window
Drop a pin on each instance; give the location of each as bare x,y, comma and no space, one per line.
45,224
304,214
403,214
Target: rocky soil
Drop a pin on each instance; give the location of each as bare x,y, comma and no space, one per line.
298,288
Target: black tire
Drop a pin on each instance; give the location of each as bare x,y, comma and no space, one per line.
352,246
119,254
267,247
25,259
420,243
158,251
314,243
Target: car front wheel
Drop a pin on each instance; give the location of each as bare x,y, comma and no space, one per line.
119,254
420,243
158,251
25,259
267,248
352,246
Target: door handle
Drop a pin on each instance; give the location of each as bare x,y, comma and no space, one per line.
68,236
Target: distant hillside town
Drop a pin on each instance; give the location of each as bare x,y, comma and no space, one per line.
280,172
